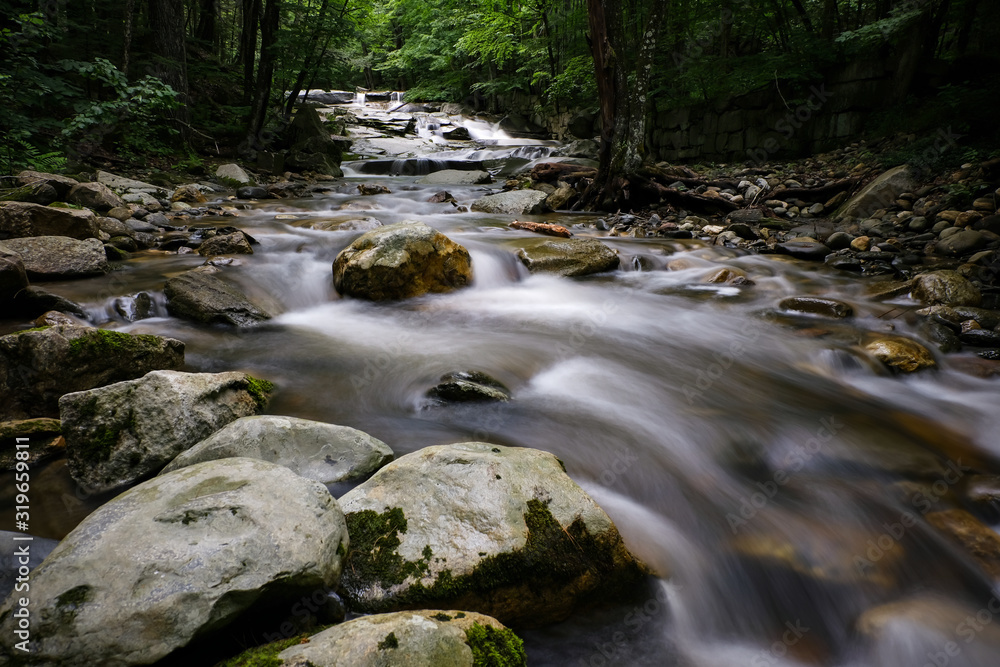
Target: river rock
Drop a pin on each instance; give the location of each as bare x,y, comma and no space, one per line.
948,288
572,257
429,638
121,433
61,184
880,193
457,134
21,219
96,196
130,185
813,250
455,177
499,530
401,261
253,192
311,145
350,225
201,296
327,453
559,199
232,175
817,306
901,354
188,194
227,244
35,193
469,386
515,202
59,257
38,366
178,558
13,277
962,242
43,434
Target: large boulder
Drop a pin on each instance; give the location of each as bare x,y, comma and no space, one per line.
311,146
233,175
401,261
21,219
129,185
515,202
570,257
236,243
13,278
61,184
327,453
177,559
59,257
96,196
202,296
38,366
499,530
880,193
428,638
946,288
124,432
35,193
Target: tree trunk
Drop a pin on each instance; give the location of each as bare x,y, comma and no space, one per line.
248,45
265,73
622,87
208,16
166,21
127,34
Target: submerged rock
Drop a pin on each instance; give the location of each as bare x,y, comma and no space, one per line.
201,296
469,386
515,202
178,558
401,261
121,433
58,257
572,257
38,366
428,638
327,453
500,530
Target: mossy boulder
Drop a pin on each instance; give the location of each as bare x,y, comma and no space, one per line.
177,558
125,432
40,365
22,220
59,257
401,261
946,288
96,196
426,638
327,453
503,531
36,193
567,257
61,184
202,296
515,202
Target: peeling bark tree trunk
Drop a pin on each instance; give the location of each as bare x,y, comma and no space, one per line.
623,61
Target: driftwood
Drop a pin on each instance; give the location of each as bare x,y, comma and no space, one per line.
542,228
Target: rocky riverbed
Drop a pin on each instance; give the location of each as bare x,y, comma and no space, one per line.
452,421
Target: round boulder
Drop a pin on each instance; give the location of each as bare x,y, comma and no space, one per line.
948,288
177,558
901,354
401,261
570,257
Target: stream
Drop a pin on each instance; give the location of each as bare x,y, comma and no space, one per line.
759,460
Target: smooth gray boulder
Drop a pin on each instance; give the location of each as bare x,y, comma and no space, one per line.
880,193
178,558
455,177
96,196
515,202
59,257
946,288
61,184
202,296
570,257
233,175
426,638
38,366
236,243
327,453
503,531
122,433
21,220
122,184
401,261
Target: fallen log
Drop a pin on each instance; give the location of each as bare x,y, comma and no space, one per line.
542,228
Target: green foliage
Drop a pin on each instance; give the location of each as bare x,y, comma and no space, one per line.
575,85
262,656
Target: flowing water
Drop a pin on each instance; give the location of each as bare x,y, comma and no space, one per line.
758,461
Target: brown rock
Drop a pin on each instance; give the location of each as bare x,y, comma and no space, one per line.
967,532
901,353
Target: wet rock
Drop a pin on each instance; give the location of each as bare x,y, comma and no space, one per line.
431,638
13,277
743,230
561,198
458,134
39,366
901,354
58,257
61,184
96,196
350,225
20,219
33,301
401,261
947,288
236,243
130,185
121,433
456,177
10,565
469,386
817,306
498,530
326,453
880,193
54,318
971,535
114,227
804,249
232,175
945,339
979,337
443,197
188,194
962,242
138,306
990,223
839,240
253,192
44,436
367,189
515,202
202,296
729,276
572,257
311,146
185,554
583,148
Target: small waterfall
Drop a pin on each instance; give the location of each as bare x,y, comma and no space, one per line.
396,97
359,99
398,167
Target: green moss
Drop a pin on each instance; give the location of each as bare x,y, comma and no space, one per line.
17,333
444,618
389,642
373,552
104,343
259,390
262,656
99,445
493,647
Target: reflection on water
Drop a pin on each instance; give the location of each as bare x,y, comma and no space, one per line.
759,462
